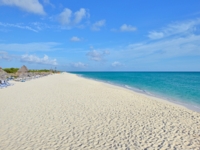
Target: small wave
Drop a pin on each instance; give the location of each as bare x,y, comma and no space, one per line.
136,89
196,107
80,75
128,87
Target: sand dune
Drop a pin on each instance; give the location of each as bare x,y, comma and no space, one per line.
64,111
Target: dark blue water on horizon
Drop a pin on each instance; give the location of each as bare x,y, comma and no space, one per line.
181,87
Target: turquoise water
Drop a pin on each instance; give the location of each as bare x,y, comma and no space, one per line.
183,87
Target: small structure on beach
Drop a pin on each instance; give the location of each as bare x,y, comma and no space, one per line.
2,71
3,74
23,71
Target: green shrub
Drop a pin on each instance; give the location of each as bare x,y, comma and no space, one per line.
11,70
14,70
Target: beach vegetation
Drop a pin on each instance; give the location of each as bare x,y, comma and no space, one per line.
11,70
14,70
42,70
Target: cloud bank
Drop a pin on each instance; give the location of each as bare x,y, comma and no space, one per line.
178,28
35,59
32,6
5,56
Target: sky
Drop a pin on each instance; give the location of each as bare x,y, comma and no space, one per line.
100,35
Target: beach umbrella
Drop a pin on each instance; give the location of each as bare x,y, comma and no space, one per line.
23,71
3,77
2,71
3,74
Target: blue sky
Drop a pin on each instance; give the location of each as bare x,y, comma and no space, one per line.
82,35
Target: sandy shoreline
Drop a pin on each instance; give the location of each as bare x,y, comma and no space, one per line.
192,107
69,112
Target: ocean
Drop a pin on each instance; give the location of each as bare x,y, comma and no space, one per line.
179,87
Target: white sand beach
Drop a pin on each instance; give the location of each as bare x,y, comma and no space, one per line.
64,111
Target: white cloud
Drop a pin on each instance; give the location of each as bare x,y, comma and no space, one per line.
35,59
40,26
65,17
116,64
79,15
169,48
5,56
127,28
32,6
79,65
179,52
28,58
182,47
75,39
18,26
47,2
29,47
97,55
33,26
176,40
97,25
155,35
179,28
69,19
